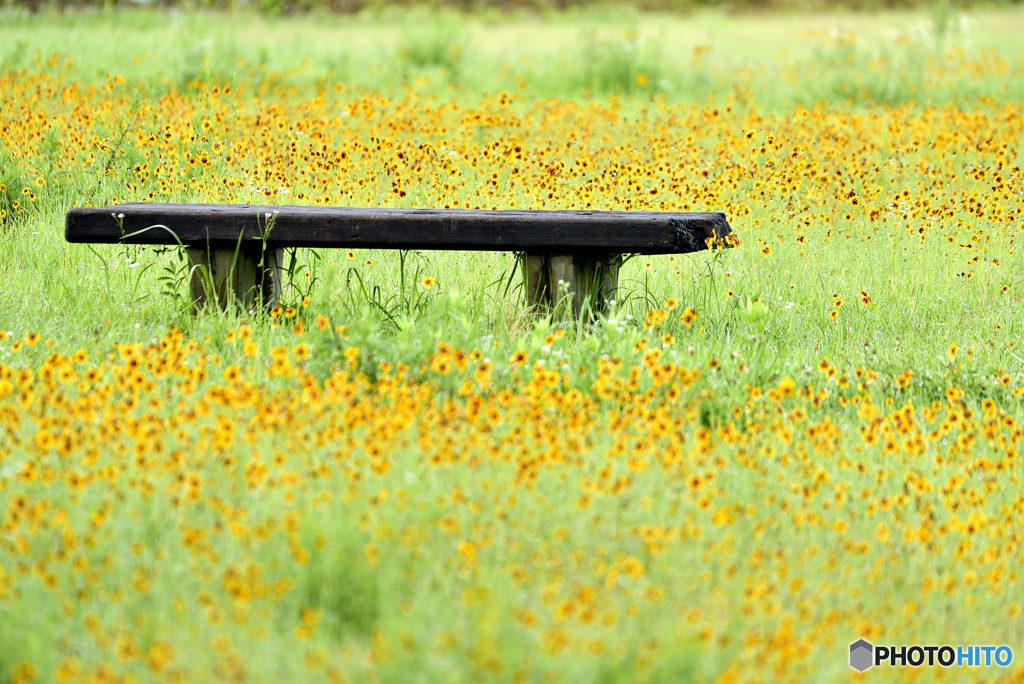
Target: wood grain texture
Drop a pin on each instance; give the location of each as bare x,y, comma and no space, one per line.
557,232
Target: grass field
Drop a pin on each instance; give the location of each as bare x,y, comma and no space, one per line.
401,475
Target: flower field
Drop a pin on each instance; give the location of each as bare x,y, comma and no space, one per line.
761,455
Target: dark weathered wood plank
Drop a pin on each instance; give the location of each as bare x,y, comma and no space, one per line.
562,232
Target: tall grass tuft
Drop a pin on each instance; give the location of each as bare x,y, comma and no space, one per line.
11,185
437,41
620,63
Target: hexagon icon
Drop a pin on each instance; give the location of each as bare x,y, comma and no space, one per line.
861,655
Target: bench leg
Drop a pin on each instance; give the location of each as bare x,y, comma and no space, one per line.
250,279
583,281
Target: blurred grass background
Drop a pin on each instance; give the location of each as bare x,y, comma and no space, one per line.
778,60
477,6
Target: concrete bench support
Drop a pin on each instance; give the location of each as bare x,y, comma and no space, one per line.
250,277
584,281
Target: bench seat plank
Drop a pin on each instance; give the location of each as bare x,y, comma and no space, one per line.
554,232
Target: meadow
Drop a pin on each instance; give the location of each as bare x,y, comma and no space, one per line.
400,474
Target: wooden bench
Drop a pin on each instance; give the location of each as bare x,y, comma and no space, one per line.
238,249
